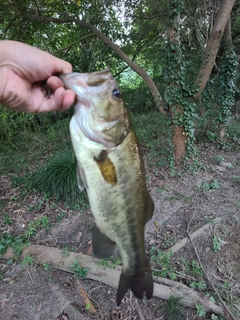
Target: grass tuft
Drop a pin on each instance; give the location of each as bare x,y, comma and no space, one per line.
172,309
57,179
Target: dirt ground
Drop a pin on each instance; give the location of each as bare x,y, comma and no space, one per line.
187,200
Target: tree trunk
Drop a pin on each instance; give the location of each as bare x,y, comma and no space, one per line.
179,142
179,139
213,45
228,40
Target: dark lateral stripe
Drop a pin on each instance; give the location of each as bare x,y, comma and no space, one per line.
132,231
107,169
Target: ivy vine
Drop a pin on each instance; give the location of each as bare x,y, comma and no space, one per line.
227,86
179,94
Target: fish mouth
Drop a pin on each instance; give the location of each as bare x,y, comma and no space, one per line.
77,81
74,81
93,104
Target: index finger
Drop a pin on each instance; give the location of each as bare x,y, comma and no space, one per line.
60,100
60,65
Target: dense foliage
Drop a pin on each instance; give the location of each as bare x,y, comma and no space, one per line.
132,39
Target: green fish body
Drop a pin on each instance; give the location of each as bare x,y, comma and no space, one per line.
111,169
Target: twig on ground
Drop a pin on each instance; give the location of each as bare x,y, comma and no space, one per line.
139,310
227,312
87,301
237,307
193,235
89,251
185,276
30,275
110,277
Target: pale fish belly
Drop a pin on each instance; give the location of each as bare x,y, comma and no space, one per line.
114,207
120,204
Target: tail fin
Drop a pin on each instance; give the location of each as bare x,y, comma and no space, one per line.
139,282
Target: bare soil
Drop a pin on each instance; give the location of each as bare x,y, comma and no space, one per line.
182,201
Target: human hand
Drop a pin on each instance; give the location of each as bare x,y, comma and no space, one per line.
23,71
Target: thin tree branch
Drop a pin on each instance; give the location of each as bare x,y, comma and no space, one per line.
139,310
37,8
149,18
73,43
8,26
177,246
135,55
151,85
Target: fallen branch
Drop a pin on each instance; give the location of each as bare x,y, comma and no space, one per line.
193,235
87,302
139,310
110,277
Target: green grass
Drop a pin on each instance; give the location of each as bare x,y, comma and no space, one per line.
28,148
110,262
78,270
17,243
233,132
28,260
153,131
57,179
211,185
151,126
216,244
46,266
161,262
172,309
13,123
50,158
218,159
6,219
193,269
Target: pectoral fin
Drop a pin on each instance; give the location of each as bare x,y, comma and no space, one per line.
103,247
82,184
106,167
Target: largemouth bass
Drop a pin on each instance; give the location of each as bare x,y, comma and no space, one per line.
111,169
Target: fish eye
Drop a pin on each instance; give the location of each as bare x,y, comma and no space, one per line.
116,93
